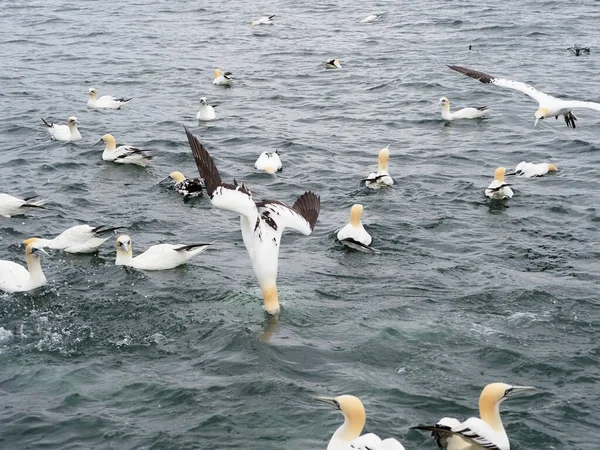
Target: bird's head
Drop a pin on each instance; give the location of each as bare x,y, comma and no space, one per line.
177,177
203,101
355,214
552,168
109,140
217,73
444,102
499,174
34,248
92,92
384,157
72,120
540,114
124,244
353,411
495,393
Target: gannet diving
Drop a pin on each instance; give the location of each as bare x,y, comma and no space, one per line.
106,101
381,178
78,239
464,113
67,133
485,433
548,106
16,278
262,223
530,170
14,206
354,235
498,189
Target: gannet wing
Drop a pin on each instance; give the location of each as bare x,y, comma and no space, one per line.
301,217
579,104
472,430
502,82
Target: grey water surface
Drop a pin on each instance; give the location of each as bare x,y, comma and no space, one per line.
462,293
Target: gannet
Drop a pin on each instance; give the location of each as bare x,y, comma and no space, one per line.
333,64
15,278
206,112
124,154
381,178
485,433
578,50
68,132
530,170
157,257
106,101
188,187
498,189
269,162
13,206
548,106
262,222
354,235
347,437
465,113
223,79
265,20
78,239
371,18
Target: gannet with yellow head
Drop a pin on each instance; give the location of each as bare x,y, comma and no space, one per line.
67,133
348,436
530,170
222,79
78,239
498,189
485,433
124,154
15,278
14,206
188,187
333,64
354,235
206,112
265,20
381,178
262,222
106,101
465,113
270,162
548,106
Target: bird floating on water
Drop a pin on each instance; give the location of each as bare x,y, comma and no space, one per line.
333,64
106,101
465,113
157,257
498,189
530,170
188,187
14,206
354,235
16,278
124,154
78,239
578,50
206,111
347,436
223,79
381,178
262,223
371,18
67,133
269,162
548,106
485,433
265,20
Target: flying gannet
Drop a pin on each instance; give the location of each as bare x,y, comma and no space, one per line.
530,170
16,278
78,239
188,187
157,257
262,223
354,235
548,106
106,101
14,206
222,79
465,113
485,433
381,178
206,111
67,133
347,436
269,162
124,154
333,64
498,189
265,20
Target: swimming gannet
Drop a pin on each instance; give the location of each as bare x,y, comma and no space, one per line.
530,170
15,278
68,132
354,235
157,257
106,101
347,436
333,64
371,18
14,206
578,50
381,178
78,239
498,189
222,79
265,20
548,106
188,187
485,433
262,222
124,154
269,162
465,113
206,112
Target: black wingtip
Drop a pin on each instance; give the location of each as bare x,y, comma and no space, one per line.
49,125
192,246
308,205
204,162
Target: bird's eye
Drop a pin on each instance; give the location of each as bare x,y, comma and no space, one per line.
337,404
507,392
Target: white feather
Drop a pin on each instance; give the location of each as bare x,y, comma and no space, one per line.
499,194
269,162
13,206
126,154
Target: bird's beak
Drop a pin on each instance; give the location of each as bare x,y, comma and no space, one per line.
41,250
439,103
326,400
521,390
536,122
125,248
510,174
164,180
98,143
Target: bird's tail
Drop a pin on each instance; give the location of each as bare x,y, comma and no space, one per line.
48,124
